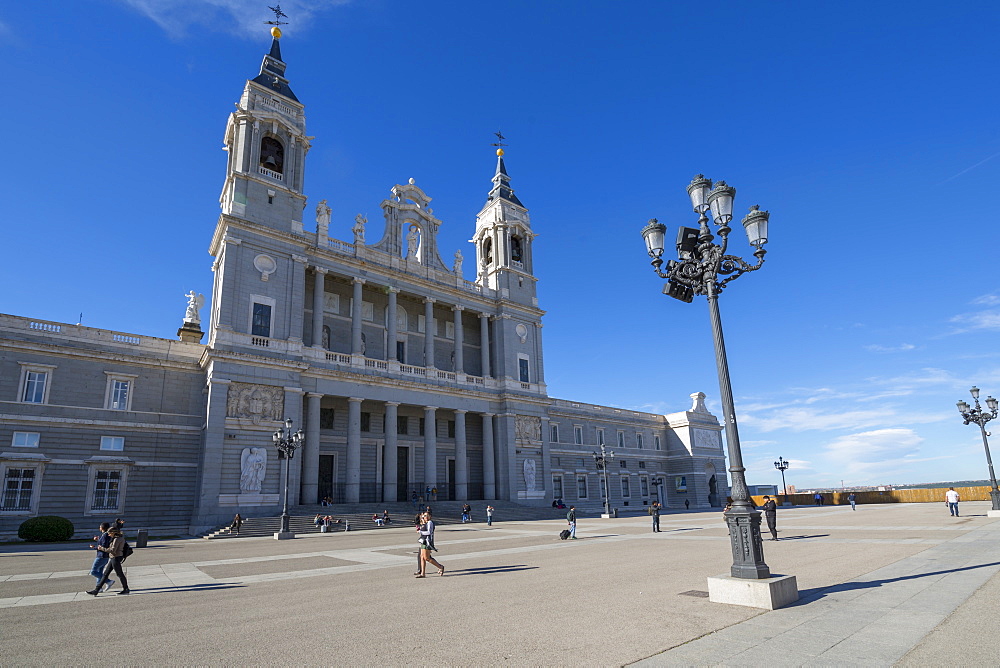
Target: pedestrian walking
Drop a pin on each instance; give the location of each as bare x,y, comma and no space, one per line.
116,553
853,499
237,523
654,511
687,504
426,544
571,520
414,499
103,540
818,498
489,515
951,500
771,515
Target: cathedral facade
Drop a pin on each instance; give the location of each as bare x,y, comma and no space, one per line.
403,375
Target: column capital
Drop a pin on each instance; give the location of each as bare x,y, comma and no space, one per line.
459,411
314,395
301,259
484,316
488,415
430,408
321,270
356,400
392,403
358,280
392,290
429,300
457,308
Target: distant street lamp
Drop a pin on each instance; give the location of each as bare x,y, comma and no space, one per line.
602,460
782,466
286,442
981,417
699,271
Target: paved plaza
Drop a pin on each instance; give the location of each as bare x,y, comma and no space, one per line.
902,584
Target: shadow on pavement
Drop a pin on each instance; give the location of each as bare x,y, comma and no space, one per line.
179,588
491,570
818,535
809,595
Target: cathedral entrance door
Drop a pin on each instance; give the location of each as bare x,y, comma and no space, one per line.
325,482
402,473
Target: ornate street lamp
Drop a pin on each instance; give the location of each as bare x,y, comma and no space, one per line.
782,466
286,442
602,459
981,417
704,268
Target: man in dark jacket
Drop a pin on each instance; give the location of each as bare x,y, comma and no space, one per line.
571,520
771,515
654,511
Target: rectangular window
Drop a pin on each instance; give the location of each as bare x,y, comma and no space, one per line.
557,492
402,424
600,437
18,485
623,463
522,365
644,485
451,429
578,435
25,439
621,439
642,465
34,387
107,485
638,441
366,421
119,394
401,352
421,430
656,442
581,487
554,433
326,417
261,323
626,493
116,443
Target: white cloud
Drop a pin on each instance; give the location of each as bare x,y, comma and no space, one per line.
807,418
901,348
233,16
968,322
880,451
987,300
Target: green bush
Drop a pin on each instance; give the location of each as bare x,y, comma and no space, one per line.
45,529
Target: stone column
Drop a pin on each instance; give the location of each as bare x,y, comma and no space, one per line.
461,458
390,353
430,446
319,280
353,488
293,409
489,467
211,456
310,451
298,297
356,318
546,459
429,332
506,457
459,342
389,471
484,344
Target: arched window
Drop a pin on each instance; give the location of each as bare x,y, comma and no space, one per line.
515,249
272,155
488,251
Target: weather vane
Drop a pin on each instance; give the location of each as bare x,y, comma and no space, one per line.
499,143
278,15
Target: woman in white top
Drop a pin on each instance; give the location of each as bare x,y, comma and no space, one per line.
426,530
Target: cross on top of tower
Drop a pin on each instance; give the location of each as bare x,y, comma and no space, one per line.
499,143
278,15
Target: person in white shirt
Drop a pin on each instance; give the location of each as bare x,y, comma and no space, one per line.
951,498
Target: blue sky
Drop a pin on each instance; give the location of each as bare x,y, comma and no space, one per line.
868,130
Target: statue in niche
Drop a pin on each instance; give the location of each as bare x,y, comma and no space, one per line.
195,302
253,466
322,215
458,261
359,229
326,337
411,242
529,474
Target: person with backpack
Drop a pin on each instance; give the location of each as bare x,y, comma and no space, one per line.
654,511
118,551
101,560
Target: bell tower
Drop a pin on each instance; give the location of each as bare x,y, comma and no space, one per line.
503,241
266,141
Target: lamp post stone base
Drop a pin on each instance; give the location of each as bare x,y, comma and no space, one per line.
284,535
770,594
993,513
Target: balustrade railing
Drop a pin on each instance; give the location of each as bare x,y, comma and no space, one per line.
271,173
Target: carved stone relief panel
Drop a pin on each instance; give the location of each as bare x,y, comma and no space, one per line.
528,428
706,438
255,402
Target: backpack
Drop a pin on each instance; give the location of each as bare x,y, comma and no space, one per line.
127,551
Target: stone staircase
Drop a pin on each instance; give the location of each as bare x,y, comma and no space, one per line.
359,516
